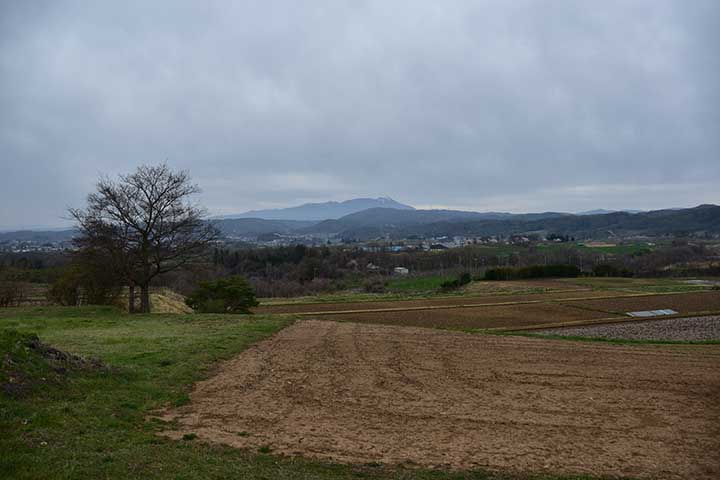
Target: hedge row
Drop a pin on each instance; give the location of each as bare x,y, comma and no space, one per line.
535,271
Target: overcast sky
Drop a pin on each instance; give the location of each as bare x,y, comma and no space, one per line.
488,105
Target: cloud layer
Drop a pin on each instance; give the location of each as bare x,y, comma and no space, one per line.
491,105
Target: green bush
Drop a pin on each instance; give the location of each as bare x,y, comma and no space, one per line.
375,285
607,270
534,271
83,284
463,279
229,295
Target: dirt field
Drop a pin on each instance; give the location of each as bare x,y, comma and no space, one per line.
691,329
432,302
530,310
508,316
366,393
683,303
492,286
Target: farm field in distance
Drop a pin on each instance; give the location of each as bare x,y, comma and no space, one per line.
353,389
554,302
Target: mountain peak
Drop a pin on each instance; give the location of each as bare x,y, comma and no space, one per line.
322,211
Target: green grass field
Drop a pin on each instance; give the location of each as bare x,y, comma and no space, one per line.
640,285
96,423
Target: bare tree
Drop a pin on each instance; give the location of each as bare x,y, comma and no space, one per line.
146,225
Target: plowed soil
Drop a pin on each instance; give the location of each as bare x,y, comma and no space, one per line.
430,302
367,393
690,329
685,303
507,316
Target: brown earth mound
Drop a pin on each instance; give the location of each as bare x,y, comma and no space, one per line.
367,393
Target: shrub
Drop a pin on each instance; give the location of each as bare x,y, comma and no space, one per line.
463,279
534,271
65,290
230,295
12,294
374,285
85,284
606,270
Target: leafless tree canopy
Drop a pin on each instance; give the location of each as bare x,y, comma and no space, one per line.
146,225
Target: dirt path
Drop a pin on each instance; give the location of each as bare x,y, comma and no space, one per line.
369,393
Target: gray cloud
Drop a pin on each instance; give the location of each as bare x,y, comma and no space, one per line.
491,105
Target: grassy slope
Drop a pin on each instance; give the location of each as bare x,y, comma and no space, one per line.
639,285
94,425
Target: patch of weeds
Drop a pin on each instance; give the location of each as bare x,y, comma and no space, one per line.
184,399
189,436
243,434
265,449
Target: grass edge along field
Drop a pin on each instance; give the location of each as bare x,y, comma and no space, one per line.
96,424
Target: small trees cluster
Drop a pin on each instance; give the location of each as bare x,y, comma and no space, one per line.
83,284
607,270
375,285
462,280
230,295
534,271
12,294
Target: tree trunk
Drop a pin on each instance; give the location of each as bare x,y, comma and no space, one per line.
131,299
144,299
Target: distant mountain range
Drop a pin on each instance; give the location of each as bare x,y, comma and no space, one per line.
403,221
382,222
321,211
602,211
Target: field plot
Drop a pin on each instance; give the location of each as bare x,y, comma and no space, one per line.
364,393
685,303
506,316
505,311
520,286
691,329
431,302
